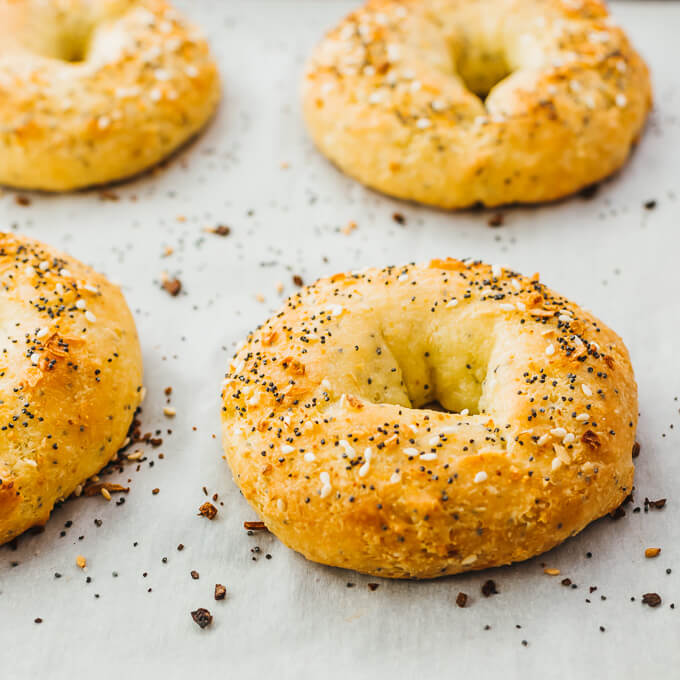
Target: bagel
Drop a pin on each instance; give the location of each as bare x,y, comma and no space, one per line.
334,430
455,103
70,378
94,91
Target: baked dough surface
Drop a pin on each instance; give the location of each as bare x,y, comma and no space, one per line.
461,102
70,378
94,91
334,429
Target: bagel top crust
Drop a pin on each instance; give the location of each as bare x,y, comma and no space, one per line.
331,434
70,378
93,91
559,97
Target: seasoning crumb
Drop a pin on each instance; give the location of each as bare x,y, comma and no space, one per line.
81,562
22,200
105,489
255,526
489,588
651,599
349,228
496,220
194,575
373,586
180,547
551,572
38,620
169,412
221,230
652,552
220,591
618,513
650,205
636,450
566,582
155,491
399,218
462,599
172,286
656,505
207,510
202,617
297,280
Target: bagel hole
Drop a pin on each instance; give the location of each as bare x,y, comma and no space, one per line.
76,51
67,38
437,406
480,68
74,47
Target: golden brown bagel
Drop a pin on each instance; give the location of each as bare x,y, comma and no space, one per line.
330,433
462,102
70,378
93,91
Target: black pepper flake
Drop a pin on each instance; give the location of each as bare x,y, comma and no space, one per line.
202,617
650,205
489,588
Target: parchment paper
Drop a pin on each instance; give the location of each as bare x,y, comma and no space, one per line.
256,171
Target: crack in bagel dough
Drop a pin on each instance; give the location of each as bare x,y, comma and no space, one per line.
95,91
461,102
327,433
70,378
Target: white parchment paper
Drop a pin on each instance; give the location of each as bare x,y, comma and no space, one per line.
256,171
